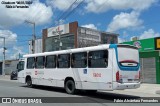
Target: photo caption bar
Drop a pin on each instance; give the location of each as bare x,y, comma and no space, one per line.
22,100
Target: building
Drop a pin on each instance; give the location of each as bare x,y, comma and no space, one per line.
149,50
38,46
71,35
10,65
134,38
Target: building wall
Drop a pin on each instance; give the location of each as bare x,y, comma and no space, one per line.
52,43
149,51
10,65
44,36
38,46
73,36
73,28
88,37
68,35
157,60
109,38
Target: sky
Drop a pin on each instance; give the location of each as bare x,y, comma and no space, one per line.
127,18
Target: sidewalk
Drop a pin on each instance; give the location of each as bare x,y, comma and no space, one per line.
145,90
6,78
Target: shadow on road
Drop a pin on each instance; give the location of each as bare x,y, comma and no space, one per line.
99,96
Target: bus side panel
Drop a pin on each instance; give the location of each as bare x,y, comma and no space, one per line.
21,77
61,74
77,78
43,77
115,66
97,78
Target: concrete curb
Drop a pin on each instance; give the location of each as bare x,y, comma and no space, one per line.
7,78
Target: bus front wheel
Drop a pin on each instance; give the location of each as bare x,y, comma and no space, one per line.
70,87
29,82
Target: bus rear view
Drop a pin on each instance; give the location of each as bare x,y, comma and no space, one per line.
127,71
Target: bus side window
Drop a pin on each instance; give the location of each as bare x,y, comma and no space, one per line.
79,60
98,59
63,61
40,62
50,62
31,63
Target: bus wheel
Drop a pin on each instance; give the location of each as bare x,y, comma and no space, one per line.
70,87
29,82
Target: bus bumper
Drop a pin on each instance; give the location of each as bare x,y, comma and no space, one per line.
121,86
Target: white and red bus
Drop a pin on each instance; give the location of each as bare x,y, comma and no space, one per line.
103,67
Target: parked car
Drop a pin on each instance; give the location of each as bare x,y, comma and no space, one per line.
14,75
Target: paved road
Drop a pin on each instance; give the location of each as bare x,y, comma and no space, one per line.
14,89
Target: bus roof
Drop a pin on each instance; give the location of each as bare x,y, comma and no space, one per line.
92,48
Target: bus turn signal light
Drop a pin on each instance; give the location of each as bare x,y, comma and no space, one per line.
117,76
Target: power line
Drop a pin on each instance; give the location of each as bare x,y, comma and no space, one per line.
69,11
73,9
70,7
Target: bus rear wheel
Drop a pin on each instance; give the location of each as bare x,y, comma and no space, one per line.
70,87
29,82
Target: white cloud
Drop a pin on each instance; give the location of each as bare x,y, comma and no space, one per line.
60,22
125,20
10,40
60,4
16,51
120,40
10,37
98,6
92,26
37,12
149,34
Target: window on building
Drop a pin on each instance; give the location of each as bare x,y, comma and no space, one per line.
50,61
40,62
98,59
52,43
79,60
30,62
63,61
7,65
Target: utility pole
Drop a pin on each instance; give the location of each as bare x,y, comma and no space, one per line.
59,36
34,35
4,48
19,56
60,43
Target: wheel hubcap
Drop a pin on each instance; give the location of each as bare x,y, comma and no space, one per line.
70,87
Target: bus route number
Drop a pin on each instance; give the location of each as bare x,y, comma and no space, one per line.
96,74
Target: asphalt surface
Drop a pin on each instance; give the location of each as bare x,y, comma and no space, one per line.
15,89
